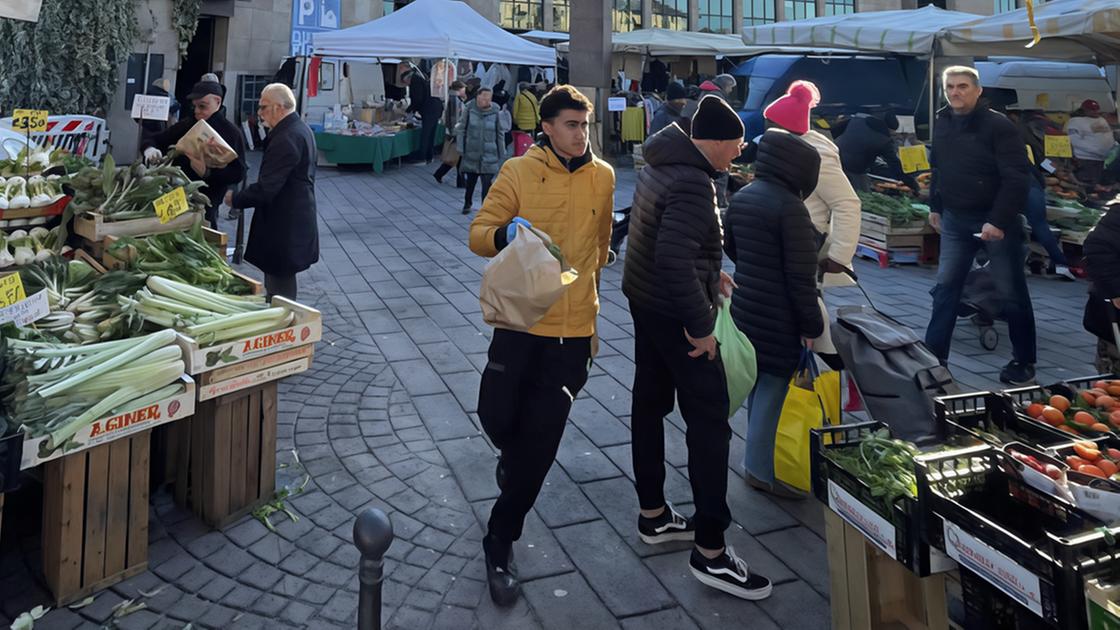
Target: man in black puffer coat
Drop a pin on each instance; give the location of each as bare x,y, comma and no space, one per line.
1102,262
771,239
673,279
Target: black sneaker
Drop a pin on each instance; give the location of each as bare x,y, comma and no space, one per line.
668,527
467,209
1016,373
730,574
504,587
500,475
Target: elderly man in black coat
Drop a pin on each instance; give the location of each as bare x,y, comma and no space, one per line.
673,282
284,235
206,96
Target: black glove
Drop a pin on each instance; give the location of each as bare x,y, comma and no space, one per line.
829,265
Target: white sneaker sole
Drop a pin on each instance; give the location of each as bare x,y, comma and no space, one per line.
731,589
667,537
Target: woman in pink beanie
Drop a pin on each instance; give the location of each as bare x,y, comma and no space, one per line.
791,112
834,206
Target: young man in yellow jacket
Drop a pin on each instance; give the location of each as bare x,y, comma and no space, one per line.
560,188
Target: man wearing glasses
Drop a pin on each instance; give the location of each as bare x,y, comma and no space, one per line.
284,236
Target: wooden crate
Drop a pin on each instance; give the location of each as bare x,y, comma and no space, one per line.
93,227
226,460
871,591
95,517
220,240
879,228
254,372
306,329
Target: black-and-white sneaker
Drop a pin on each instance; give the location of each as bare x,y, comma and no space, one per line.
729,573
668,527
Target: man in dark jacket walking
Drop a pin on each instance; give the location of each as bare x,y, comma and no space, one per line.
673,281
865,138
206,96
1102,262
284,235
429,108
981,177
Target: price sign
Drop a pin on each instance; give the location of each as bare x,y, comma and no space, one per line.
616,104
1042,100
913,158
151,107
1058,147
29,120
171,205
11,290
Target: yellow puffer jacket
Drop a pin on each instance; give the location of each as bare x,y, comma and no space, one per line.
526,111
575,210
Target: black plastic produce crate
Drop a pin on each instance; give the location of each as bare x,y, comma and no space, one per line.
1034,547
11,454
892,528
1022,396
987,415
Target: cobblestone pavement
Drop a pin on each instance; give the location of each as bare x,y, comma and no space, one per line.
386,418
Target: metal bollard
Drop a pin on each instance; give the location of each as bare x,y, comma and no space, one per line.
373,533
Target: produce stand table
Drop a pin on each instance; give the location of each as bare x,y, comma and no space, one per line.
225,458
870,590
373,150
899,244
95,517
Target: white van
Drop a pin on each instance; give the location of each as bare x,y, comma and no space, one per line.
1045,85
342,81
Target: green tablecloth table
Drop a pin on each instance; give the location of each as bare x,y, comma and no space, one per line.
373,150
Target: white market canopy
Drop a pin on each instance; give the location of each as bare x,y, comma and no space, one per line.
906,31
1070,29
658,42
27,10
549,36
433,29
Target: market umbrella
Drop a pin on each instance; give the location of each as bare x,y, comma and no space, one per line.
27,10
908,32
1069,29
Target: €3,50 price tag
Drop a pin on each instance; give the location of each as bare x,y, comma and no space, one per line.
11,290
29,120
171,205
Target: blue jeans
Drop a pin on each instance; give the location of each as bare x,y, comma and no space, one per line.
764,408
1040,229
958,249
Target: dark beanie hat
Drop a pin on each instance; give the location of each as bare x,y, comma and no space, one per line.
675,92
715,120
891,121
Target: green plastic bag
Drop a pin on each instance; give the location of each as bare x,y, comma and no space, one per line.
738,358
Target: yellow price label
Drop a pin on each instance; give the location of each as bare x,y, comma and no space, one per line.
11,290
1058,147
913,158
171,205
1042,100
29,120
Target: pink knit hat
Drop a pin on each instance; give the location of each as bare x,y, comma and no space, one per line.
791,112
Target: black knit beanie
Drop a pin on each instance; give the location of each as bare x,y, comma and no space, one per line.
715,120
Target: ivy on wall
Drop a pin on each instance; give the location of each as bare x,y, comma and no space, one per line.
185,15
68,61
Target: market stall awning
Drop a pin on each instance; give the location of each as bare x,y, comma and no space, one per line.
659,42
908,32
548,36
1070,29
27,10
433,29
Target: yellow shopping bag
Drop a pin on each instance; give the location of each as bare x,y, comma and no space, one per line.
813,399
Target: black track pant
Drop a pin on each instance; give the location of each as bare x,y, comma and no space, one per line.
663,370
527,390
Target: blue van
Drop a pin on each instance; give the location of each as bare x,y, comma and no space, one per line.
849,84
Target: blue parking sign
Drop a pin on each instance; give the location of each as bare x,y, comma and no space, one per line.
309,17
